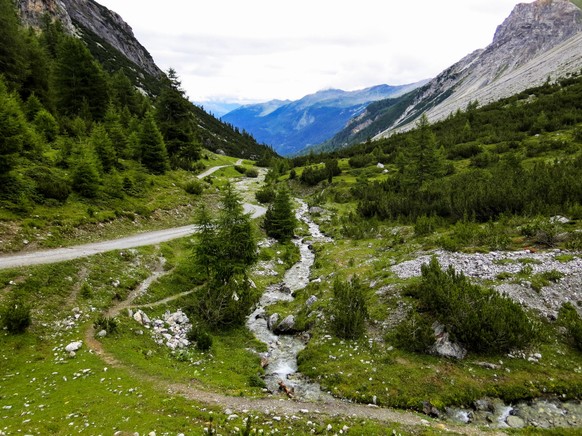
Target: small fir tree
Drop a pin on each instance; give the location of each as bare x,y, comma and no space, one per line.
152,148
280,221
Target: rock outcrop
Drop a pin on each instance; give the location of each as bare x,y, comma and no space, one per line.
82,16
539,40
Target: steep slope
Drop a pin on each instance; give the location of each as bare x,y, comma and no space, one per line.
109,37
290,126
538,40
112,42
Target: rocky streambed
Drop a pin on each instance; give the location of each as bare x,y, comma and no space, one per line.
283,345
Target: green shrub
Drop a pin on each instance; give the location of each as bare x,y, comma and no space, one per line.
86,291
194,187
415,334
105,323
569,318
255,381
574,241
425,225
15,316
350,309
479,318
252,172
48,184
265,194
200,337
240,169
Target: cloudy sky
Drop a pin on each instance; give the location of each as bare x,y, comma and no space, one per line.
257,50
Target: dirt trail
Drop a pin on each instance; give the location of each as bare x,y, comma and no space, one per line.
140,240
275,405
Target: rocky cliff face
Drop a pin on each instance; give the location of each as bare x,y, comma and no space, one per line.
83,16
538,40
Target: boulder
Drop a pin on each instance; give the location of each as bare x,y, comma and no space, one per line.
272,321
287,326
311,301
515,421
443,346
74,346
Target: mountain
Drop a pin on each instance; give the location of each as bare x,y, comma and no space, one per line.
539,40
108,36
291,126
111,41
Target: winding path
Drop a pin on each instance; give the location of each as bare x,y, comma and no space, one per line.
267,406
139,240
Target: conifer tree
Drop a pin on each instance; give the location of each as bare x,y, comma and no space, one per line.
85,176
421,160
280,220
225,250
14,133
103,147
175,120
80,84
152,148
12,62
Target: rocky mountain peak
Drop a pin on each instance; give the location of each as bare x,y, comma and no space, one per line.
538,40
82,16
542,24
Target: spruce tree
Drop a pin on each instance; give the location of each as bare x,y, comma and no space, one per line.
225,250
80,84
152,148
12,61
14,134
175,120
103,147
280,220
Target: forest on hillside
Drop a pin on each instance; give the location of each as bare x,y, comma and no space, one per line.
69,126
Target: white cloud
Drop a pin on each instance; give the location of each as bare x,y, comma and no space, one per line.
265,49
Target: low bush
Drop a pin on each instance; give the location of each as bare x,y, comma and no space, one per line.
15,316
350,309
569,318
479,318
105,323
200,337
194,187
252,172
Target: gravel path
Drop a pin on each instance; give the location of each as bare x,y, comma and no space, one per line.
139,240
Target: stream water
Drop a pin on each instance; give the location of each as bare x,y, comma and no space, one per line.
283,349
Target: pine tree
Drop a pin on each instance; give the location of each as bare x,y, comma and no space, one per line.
152,148
280,220
85,177
12,61
421,160
14,133
80,84
103,147
225,250
175,120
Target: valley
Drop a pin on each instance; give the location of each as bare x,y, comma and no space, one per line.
163,272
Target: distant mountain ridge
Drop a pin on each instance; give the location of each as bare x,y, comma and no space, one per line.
291,126
538,40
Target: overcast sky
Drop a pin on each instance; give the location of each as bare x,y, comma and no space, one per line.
258,50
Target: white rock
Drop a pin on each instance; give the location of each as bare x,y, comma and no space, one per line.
74,346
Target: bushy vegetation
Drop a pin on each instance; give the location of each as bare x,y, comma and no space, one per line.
15,316
350,308
280,221
479,318
569,318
